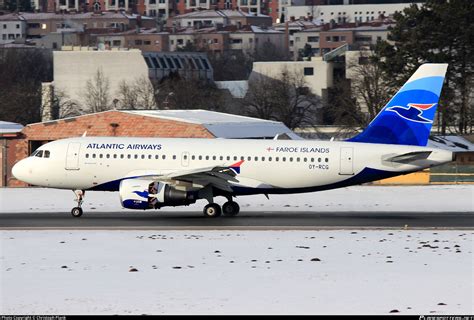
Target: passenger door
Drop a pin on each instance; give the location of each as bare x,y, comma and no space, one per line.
346,161
72,156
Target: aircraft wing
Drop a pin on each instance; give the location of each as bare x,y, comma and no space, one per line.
217,176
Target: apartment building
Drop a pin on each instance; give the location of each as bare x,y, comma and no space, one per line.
343,12
145,40
219,18
253,39
39,25
322,40
292,27
12,27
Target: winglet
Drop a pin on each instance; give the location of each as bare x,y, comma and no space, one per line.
236,166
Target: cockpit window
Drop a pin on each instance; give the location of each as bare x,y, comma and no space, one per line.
39,154
46,153
34,153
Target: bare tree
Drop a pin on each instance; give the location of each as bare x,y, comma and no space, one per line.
368,85
355,100
97,92
175,92
146,93
63,106
285,98
137,95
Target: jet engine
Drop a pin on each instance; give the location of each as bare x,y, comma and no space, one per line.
146,194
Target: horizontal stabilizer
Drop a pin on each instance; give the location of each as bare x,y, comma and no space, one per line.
410,157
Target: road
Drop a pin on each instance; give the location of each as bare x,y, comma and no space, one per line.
246,220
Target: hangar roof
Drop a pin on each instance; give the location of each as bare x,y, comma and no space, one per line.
9,127
222,125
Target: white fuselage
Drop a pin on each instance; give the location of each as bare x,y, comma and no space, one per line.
269,166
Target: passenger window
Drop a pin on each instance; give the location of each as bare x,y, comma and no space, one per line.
157,157
283,159
319,159
143,156
214,158
93,155
228,158
46,154
136,156
256,158
221,158
263,158
164,157
298,159
291,159
305,160
149,157
87,155
277,159
200,157
207,157
101,155
193,157
174,157
115,156
129,156
242,158
121,156
312,159
249,158
107,156
327,160
39,154
269,158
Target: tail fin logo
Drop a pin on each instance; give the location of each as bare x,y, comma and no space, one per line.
413,111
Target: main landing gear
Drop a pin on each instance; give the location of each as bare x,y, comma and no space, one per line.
229,209
77,211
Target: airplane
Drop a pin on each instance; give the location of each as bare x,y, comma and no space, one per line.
151,173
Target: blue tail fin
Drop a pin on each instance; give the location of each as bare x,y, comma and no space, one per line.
408,116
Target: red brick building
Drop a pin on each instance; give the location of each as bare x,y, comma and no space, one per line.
150,123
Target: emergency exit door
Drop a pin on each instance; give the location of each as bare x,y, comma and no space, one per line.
185,159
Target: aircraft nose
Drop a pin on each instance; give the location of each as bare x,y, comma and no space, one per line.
19,170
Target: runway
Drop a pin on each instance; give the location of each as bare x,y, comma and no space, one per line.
244,221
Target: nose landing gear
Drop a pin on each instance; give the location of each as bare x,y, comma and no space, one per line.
77,211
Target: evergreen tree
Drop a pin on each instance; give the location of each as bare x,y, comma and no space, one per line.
439,31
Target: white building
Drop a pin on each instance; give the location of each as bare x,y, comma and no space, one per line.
73,68
318,74
12,27
345,13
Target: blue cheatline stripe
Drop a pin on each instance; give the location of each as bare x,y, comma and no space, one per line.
366,175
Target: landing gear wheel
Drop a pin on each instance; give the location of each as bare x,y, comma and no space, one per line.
230,209
76,212
212,210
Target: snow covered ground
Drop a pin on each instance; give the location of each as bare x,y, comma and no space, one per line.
237,272
451,198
